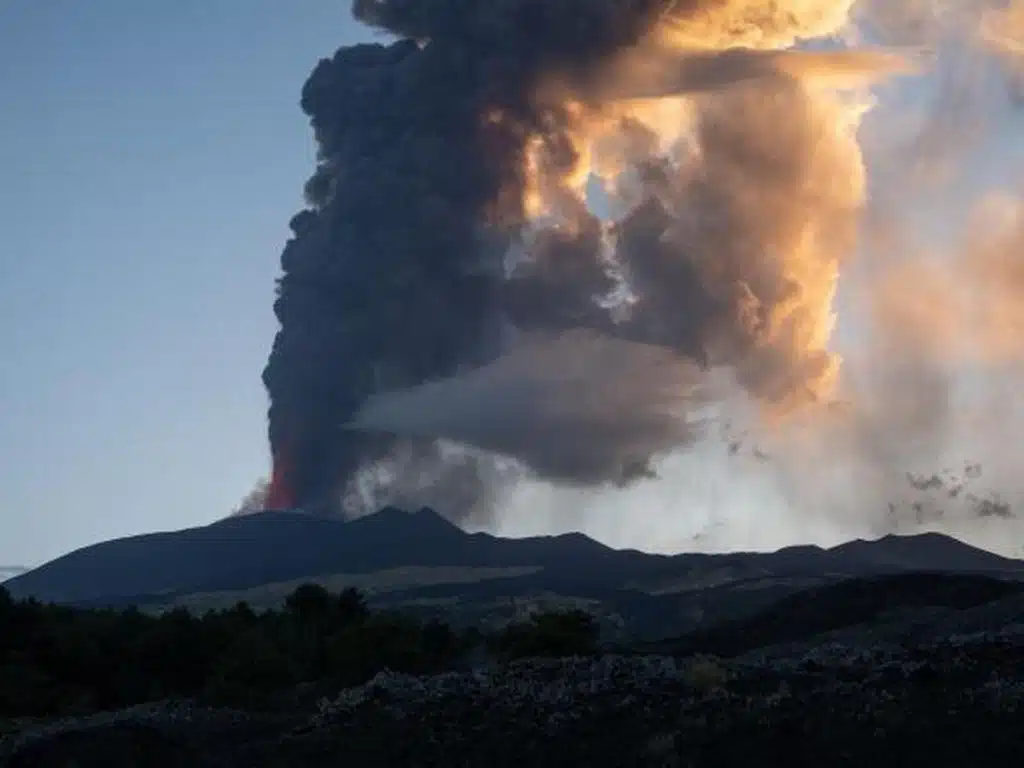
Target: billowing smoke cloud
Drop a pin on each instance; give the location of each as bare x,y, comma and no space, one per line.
568,232
732,256
434,150
394,274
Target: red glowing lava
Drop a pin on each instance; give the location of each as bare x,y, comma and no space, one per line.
280,495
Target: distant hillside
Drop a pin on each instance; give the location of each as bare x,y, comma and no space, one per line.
872,603
419,561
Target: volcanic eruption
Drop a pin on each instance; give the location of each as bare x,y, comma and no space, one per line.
280,494
452,279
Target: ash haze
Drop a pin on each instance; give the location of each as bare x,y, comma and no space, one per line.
156,155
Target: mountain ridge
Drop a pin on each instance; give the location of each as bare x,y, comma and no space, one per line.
10,571
239,553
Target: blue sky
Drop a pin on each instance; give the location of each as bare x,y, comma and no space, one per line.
152,154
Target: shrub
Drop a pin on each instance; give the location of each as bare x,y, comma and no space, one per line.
558,633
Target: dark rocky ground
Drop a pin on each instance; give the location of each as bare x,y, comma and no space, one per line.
937,687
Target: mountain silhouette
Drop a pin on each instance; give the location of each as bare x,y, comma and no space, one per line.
10,571
240,553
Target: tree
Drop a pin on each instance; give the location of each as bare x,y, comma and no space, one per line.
242,612
7,616
251,669
315,615
359,651
350,607
557,633
58,660
309,604
440,644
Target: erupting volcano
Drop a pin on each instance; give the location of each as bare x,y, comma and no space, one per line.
279,492
557,231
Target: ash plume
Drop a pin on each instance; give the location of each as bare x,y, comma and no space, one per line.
435,151
393,276
732,256
456,308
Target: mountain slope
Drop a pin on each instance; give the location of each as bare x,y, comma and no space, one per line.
10,571
242,553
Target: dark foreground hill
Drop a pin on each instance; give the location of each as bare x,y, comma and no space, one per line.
420,563
891,671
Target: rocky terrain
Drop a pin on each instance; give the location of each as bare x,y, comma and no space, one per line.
904,650
935,686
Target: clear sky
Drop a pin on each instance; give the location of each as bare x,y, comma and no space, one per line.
152,154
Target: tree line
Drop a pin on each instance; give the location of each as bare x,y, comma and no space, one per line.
59,660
